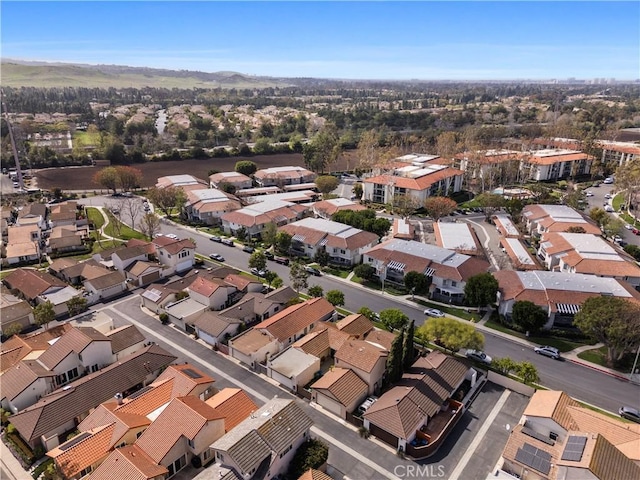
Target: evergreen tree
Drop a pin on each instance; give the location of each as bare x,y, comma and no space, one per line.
408,353
394,360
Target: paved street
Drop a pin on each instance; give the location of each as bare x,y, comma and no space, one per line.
598,200
358,458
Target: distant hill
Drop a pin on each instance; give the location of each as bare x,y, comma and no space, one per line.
16,73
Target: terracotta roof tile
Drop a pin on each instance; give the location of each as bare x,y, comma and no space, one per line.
186,377
343,385
290,321
80,396
313,474
184,416
360,354
380,338
233,404
129,463
420,183
91,447
31,283
204,287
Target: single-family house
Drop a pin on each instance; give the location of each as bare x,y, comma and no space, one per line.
293,368
129,462
175,255
420,403
244,284
457,236
326,208
237,180
449,270
541,219
323,341
183,312
24,384
17,314
560,294
33,214
212,293
557,438
125,256
63,214
23,244
340,391
254,217
283,176
262,446
60,411
64,239
234,405
344,244
31,284
366,360
586,253
32,345
107,286
125,340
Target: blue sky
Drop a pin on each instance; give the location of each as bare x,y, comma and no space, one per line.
359,40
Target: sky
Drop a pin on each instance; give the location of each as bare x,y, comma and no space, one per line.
471,40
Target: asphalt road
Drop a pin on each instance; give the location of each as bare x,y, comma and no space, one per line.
581,382
598,200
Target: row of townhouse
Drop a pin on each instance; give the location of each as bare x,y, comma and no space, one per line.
613,152
342,362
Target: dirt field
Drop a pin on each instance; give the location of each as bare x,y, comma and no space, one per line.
80,178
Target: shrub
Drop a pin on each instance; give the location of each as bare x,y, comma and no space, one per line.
164,318
311,454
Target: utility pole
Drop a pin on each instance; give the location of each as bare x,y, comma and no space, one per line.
13,142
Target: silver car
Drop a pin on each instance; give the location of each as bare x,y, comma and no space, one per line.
548,351
479,356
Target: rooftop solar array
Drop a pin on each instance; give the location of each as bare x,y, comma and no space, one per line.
537,436
191,373
534,458
574,448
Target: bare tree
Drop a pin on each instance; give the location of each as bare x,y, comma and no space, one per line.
150,225
131,209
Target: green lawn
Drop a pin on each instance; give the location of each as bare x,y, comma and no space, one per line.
95,217
599,355
617,201
561,344
456,312
86,139
125,232
338,272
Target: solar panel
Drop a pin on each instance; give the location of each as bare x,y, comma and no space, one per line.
535,458
191,373
537,436
574,448
74,441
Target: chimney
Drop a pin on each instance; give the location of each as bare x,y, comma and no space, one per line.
118,397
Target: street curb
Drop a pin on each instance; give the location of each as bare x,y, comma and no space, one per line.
593,367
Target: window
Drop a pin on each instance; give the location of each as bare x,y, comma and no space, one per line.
168,255
86,471
94,368
73,373
206,454
453,284
62,378
191,443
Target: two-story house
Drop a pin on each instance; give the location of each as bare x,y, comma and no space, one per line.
175,255
368,361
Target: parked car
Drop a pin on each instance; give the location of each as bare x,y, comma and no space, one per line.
216,239
268,254
589,194
608,208
259,273
248,249
635,231
548,351
367,404
608,181
479,356
228,242
628,227
433,312
313,271
630,413
281,260
216,256
607,195
172,236
596,184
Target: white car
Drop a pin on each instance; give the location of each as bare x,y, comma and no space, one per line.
607,196
433,312
173,236
589,194
479,356
628,227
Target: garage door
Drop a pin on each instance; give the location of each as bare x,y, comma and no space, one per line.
151,277
329,404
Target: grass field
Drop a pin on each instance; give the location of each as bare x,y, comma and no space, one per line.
95,217
599,356
86,139
125,232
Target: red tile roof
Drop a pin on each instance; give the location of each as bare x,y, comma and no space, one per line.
294,319
233,404
129,463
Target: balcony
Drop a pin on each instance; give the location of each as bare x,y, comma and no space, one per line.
431,436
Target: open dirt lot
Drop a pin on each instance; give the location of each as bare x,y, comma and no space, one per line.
80,178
